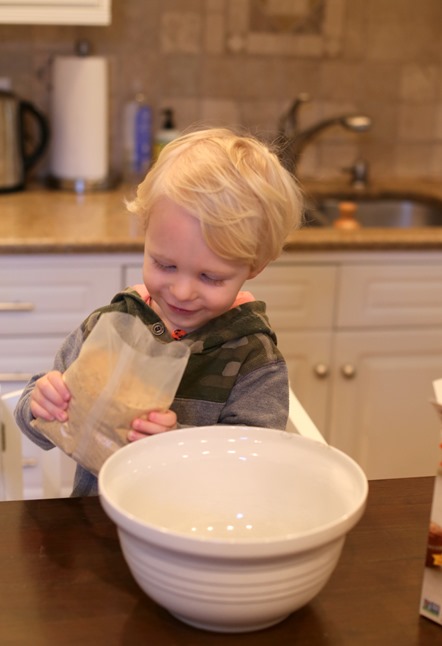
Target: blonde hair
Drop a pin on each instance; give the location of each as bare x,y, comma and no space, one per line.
246,202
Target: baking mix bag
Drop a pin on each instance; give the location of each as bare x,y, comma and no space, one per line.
122,372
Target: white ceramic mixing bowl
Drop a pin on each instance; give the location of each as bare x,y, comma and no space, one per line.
231,528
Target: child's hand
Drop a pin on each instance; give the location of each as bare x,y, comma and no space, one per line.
153,423
50,397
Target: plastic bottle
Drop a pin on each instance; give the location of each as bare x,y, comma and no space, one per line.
166,133
137,142
347,217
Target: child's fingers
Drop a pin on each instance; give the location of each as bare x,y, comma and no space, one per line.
163,418
141,428
57,382
51,388
50,397
47,411
155,422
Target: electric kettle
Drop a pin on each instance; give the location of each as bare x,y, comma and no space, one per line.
24,136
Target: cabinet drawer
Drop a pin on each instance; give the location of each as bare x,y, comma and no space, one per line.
20,358
296,296
50,299
390,295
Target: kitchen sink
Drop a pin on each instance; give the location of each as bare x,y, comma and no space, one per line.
390,211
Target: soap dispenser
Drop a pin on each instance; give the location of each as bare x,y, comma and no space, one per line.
137,135
166,133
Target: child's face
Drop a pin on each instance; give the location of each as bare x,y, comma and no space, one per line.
188,283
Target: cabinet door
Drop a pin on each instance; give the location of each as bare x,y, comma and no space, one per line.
381,413
308,357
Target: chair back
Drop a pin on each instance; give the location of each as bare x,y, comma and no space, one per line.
11,456
300,422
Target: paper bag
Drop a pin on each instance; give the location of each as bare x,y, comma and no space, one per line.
122,372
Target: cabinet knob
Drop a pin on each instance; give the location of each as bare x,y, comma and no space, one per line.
321,370
348,371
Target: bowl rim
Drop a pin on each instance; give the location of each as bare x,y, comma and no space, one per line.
163,537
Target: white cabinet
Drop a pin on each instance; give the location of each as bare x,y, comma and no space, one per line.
55,12
361,333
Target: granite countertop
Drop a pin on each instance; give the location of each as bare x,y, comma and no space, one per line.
42,221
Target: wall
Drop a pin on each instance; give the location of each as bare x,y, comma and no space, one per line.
242,62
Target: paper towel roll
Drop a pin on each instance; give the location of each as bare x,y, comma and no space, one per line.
79,113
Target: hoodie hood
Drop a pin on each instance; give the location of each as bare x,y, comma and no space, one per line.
246,319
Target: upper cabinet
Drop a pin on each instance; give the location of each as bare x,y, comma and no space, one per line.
55,12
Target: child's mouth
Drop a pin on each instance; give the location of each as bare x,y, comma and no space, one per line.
180,310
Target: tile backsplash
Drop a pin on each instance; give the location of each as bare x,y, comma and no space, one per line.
242,63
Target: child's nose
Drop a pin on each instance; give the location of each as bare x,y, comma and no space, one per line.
183,289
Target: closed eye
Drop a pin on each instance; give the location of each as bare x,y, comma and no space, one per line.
162,266
213,280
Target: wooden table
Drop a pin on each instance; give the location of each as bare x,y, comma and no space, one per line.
63,580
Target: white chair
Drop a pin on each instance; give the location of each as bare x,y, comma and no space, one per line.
46,463
11,460
300,422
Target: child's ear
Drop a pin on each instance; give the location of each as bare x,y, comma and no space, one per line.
254,272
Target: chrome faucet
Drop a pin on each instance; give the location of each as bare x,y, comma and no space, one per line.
293,141
359,174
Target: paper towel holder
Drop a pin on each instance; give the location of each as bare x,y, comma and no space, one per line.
77,177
